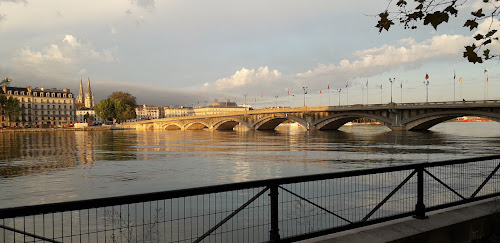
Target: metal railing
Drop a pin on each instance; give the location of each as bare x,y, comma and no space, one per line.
283,209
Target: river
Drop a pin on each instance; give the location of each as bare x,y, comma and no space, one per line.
59,166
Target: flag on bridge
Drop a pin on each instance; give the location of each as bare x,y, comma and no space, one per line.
328,86
426,76
487,78
321,91
460,80
485,70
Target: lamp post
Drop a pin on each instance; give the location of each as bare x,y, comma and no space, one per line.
276,96
392,80
339,90
380,93
305,92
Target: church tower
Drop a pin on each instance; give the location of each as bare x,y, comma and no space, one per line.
79,99
89,97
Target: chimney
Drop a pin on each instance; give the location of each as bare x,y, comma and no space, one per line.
42,88
4,88
29,89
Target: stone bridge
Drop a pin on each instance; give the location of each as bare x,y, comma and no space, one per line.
397,117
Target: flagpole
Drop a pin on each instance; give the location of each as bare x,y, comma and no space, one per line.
347,86
329,94
454,76
362,95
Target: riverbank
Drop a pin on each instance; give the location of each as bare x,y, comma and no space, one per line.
93,128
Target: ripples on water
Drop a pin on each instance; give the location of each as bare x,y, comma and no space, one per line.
62,166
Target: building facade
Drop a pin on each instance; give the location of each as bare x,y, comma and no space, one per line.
148,112
83,113
177,111
218,107
41,107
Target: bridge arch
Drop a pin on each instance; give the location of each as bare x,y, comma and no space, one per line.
428,120
335,121
229,124
171,126
198,125
272,121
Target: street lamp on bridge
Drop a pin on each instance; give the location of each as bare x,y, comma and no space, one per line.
392,80
305,92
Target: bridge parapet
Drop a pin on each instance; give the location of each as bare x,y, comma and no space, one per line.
396,116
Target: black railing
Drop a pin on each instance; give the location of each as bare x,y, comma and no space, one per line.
284,209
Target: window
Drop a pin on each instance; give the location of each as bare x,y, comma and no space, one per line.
53,95
29,99
22,92
58,95
36,106
70,96
64,95
34,94
16,92
54,107
47,95
9,92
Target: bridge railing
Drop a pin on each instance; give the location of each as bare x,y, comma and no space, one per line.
284,209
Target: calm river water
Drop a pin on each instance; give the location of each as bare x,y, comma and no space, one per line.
61,166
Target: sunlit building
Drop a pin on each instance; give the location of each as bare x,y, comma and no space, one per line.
218,107
148,112
40,106
177,111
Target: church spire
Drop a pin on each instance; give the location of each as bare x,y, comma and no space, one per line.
81,96
89,91
89,97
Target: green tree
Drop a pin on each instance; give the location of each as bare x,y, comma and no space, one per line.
436,12
126,97
105,109
11,108
125,109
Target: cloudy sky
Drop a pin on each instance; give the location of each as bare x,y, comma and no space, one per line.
189,52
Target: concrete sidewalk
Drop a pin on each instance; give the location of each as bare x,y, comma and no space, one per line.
458,224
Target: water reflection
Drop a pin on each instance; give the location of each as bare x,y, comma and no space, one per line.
62,166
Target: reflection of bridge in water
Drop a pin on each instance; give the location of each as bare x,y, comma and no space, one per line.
399,117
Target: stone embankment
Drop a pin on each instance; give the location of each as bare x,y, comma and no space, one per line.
93,128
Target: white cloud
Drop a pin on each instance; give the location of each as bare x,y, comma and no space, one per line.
248,77
375,61
71,40
51,54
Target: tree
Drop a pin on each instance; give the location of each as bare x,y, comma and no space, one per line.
111,108
105,109
126,108
437,12
11,107
125,97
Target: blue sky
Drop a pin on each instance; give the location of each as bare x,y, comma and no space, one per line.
192,51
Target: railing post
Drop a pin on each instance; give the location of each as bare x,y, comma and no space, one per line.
274,232
420,206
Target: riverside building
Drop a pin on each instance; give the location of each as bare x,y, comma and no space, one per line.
40,106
